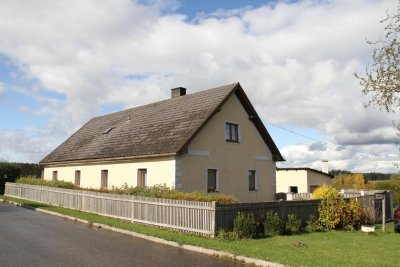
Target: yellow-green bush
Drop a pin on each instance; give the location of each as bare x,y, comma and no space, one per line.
227,235
245,225
325,191
42,182
157,191
293,225
336,213
272,224
163,191
330,212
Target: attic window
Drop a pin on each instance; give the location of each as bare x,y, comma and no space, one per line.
107,130
231,132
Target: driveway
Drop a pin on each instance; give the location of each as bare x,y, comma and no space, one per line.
30,238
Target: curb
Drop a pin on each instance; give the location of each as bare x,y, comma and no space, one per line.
206,251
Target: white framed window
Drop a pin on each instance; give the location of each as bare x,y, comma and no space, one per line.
293,189
55,175
232,132
212,181
77,178
104,179
142,178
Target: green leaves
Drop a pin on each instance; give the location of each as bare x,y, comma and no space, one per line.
382,77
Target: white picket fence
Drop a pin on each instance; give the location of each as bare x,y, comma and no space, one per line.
189,216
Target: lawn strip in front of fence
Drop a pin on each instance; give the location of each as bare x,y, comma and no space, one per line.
315,249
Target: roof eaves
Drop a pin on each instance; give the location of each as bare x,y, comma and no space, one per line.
97,160
304,169
276,154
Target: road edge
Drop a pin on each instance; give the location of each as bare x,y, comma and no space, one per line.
206,251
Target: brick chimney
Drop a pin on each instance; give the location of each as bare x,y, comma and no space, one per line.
179,91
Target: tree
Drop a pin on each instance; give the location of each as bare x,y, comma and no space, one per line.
352,180
382,77
9,172
325,191
358,181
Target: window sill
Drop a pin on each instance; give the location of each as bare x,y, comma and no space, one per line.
232,142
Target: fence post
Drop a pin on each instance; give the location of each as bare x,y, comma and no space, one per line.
384,212
132,211
213,222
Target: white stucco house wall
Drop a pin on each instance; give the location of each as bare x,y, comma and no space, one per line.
300,180
212,141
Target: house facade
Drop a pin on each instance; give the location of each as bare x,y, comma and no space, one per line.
300,180
210,141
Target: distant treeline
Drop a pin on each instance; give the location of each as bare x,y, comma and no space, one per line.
369,176
9,172
369,181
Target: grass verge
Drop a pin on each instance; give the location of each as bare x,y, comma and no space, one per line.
315,249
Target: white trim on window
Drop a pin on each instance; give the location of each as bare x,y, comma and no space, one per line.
256,181
217,187
238,129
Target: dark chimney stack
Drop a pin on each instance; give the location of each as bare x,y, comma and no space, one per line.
179,91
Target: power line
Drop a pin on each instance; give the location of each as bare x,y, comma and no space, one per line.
323,142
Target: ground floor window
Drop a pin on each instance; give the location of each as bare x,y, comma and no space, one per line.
313,188
212,181
104,179
55,175
142,178
252,180
293,189
78,178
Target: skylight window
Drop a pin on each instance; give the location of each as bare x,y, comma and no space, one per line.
107,130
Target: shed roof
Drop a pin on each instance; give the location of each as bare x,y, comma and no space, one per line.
161,128
304,169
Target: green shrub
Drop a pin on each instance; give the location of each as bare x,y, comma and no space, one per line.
163,191
245,225
227,235
156,191
313,225
353,215
43,182
293,225
272,224
9,172
331,212
339,214
325,191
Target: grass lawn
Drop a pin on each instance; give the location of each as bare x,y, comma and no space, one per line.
320,249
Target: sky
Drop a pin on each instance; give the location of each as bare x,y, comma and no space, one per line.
64,62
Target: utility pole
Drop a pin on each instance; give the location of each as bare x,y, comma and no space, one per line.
384,212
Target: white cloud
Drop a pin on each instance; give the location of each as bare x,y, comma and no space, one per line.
295,61
25,145
375,158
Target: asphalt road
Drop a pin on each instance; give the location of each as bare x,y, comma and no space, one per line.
30,238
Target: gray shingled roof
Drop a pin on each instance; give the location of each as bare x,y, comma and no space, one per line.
164,127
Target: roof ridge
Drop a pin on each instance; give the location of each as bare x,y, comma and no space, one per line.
166,100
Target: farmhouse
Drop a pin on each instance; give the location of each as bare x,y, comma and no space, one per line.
211,141
300,180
